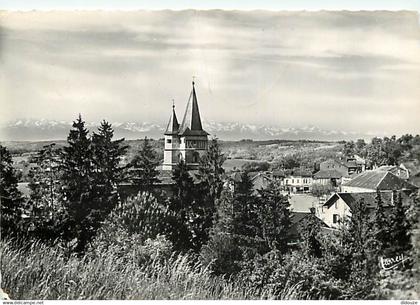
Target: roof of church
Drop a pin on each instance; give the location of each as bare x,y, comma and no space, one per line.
173,125
191,123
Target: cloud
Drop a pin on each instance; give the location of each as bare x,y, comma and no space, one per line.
353,70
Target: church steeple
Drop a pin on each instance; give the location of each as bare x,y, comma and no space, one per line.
191,123
173,125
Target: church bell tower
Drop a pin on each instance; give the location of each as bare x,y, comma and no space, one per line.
188,141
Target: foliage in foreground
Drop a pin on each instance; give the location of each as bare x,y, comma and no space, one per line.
42,272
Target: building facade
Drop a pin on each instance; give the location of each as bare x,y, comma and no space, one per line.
187,141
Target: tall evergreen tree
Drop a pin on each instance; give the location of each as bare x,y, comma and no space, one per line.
274,218
358,241
44,178
108,171
310,231
107,155
80,192
381,226
210,175
400,227
183,232
144,171
245,221
211,171
223,252
45,205
10,197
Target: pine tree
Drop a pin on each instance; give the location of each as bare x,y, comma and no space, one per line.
108,172
183,232
245,221
274,218
10,197
144,171
183,188
211,171
107,154
381,225
80,192
208,190
223,252
400,227
358,242
45,206
310,231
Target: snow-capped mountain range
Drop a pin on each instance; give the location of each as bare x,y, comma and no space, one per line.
43,129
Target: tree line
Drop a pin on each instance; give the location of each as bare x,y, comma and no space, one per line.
386,150
240,234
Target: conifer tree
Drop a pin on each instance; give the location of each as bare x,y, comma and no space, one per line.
400,227
381,225
223,252
211,171
107,155
274,218
80,193
245,221
108,172
45,206
183,187
10,197
358,241
144,171
182,206
311,244
210,175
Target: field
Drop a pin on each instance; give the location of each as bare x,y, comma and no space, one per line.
238,153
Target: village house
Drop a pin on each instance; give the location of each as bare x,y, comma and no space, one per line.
339,206
374,180
300,181
334,172
297,222
328,177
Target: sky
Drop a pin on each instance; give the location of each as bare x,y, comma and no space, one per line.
222,4
351,71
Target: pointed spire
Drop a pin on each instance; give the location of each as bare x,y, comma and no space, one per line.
173,124
191,123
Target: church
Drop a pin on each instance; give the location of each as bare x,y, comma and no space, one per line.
187,141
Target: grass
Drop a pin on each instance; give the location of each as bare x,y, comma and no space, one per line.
46,273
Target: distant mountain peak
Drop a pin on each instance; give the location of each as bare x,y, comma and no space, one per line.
44,129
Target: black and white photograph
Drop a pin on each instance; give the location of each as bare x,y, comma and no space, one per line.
210,150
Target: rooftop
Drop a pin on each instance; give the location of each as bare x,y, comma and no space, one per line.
369,199
379,180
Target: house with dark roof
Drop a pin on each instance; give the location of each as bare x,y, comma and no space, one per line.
297,222
334,172
339,206
331,177
373,180
260,180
